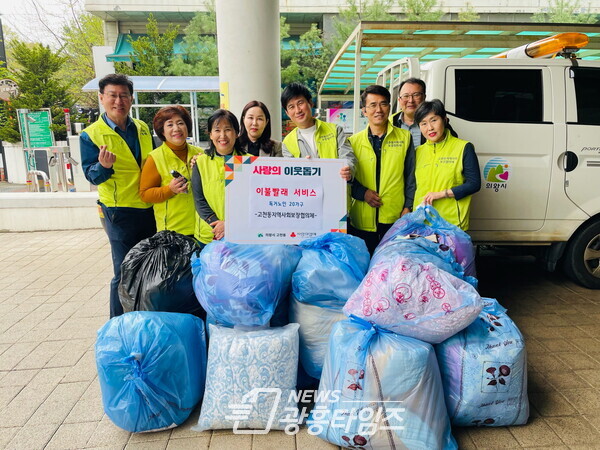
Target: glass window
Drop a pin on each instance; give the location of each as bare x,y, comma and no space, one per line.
499,95
587,83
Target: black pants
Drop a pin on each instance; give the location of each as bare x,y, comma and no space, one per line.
371,238
125,227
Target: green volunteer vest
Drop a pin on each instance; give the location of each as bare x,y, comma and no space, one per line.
177,213
122,188
212,174
325,139
439,167
391,182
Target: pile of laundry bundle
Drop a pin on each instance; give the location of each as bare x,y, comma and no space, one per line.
402,345
417,300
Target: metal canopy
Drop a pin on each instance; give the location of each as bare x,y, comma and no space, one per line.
374,45
192,84
165,84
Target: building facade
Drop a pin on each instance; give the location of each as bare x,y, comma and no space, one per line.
130,16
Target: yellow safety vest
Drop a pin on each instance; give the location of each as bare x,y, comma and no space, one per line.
325,139
391,183
212,174
177,213
438,167
122,188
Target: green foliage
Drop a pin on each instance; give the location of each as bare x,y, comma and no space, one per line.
564,11
468,14
200,58
284,28
200,46
79,36
153,53
356,11
36,71
307,61
421,10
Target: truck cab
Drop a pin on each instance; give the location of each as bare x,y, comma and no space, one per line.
535,125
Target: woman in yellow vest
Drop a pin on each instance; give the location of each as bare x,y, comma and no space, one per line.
208,181
165,175
446,168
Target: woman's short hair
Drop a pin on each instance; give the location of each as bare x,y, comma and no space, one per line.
218,116
167,113
266,144
434,106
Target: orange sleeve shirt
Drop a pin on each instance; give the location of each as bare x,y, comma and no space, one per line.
151,190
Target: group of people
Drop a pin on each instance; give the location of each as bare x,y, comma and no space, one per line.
393,165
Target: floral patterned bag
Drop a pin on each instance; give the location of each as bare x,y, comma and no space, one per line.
484,370
415,299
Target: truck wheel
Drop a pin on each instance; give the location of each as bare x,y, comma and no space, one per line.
582,257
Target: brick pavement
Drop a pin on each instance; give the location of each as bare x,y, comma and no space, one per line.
54,296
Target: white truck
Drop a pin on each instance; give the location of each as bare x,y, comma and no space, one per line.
535,125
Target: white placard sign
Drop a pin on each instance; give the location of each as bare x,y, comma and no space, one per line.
283,200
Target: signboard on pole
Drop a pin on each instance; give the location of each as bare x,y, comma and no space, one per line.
283,200
35,128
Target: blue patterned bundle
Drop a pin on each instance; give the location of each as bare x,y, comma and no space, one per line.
484,369
255,370
426,221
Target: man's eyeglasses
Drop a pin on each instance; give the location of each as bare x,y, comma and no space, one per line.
414,96
373,106
114,97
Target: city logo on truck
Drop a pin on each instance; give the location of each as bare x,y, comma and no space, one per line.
496,174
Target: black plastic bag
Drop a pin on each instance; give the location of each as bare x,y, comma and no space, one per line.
156,275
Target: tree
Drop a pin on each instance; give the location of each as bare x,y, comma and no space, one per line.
200,46
69,28
8,121
307,61
468,14
564,11
36,72
82,33
421,10
153,53
355,11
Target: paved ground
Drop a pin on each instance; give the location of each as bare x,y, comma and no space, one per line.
53,298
